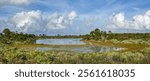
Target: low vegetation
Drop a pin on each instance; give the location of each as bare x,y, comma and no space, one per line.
137,49
136,38
20,56
9,37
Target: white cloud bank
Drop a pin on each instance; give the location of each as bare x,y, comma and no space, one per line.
15,2
57,21
3,23
138,22
27,21
71,16
34,21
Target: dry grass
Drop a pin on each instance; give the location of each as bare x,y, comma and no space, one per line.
129,47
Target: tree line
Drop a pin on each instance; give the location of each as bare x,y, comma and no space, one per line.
44,36
97,34
9,37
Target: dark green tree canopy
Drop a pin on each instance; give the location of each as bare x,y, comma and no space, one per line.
6,32
9,37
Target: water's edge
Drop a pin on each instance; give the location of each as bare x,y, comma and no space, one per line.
72,45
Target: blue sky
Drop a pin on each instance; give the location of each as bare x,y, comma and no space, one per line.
74,16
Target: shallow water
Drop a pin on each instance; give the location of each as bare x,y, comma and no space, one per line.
64,41
61,45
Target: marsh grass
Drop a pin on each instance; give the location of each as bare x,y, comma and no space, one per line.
13,55
19,54
15,48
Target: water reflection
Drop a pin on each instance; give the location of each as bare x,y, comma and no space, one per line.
81,49
58,46
63,41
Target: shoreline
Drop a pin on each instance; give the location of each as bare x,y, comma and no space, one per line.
125,46
128,46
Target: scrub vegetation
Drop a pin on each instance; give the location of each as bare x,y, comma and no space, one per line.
136,49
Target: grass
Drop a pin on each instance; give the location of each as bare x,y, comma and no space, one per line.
45,45
136,54
127,46
14,49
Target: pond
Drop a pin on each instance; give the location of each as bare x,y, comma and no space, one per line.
72,45
62,41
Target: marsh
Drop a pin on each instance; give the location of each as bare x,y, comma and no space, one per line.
72,45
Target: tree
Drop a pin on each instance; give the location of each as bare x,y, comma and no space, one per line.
97,34
109,32
103,35
9,37
94,35
6,32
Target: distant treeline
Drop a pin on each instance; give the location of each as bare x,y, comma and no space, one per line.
9,37
43,36
124,36
103,35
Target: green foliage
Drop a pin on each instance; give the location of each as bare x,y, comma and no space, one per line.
9,37
44,36
96,35
7,32
124,36
103,35
12,55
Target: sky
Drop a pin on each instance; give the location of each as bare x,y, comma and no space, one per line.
74,17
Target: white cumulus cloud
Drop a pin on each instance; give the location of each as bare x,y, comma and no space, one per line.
2,23
55,21
15,2
27,21
58,21
71,16
138,22
35,21
119,19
